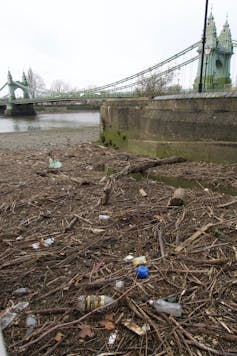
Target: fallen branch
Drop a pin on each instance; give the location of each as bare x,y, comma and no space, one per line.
71,224
158,234
142,167
194,236
196,343
227,204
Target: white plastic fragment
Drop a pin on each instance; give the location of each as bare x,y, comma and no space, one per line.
104,217
19,238
45,243
142,192
128,258
112,337
119,284
36,245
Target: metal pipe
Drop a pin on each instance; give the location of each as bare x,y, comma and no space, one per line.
203,47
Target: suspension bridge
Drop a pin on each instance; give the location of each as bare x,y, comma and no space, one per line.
182,68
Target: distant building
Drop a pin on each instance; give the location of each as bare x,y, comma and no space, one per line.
217,56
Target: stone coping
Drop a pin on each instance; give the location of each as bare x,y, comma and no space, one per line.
211,95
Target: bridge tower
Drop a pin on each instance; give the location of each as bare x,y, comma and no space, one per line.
13,108
217,57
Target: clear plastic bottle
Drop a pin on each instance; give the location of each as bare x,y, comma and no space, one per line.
161,306
88,303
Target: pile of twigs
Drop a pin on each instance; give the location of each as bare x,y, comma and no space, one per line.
190,250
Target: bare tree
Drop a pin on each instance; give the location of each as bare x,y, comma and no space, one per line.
36,83
58,86
153,85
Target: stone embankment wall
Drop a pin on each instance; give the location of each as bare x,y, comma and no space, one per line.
198,127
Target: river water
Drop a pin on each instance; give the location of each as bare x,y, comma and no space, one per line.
44,121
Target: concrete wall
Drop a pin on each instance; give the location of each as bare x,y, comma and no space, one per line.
198,127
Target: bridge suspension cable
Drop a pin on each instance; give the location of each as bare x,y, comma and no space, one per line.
167,71
3,86
139,74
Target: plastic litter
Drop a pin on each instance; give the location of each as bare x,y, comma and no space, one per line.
136,328
142,192
2,345
141,260
104,217
88,303
162,306
36,245
43,243
142,272
119,284
112,337
31,320
10,314
31,323
54,163
128,258
48,242
21,291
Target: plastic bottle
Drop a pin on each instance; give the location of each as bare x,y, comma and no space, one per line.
88,303
162,306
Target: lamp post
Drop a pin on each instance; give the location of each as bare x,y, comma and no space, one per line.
203,48
207,52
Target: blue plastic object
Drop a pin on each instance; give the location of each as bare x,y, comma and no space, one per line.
142,272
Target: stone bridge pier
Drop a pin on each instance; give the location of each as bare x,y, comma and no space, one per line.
199,127
19,110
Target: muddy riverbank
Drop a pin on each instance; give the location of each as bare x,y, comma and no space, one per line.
39,139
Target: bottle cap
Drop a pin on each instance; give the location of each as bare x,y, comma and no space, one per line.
141,272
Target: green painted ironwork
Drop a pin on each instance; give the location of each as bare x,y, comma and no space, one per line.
217,57
218,53
13,85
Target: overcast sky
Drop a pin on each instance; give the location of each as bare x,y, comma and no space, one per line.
95,42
